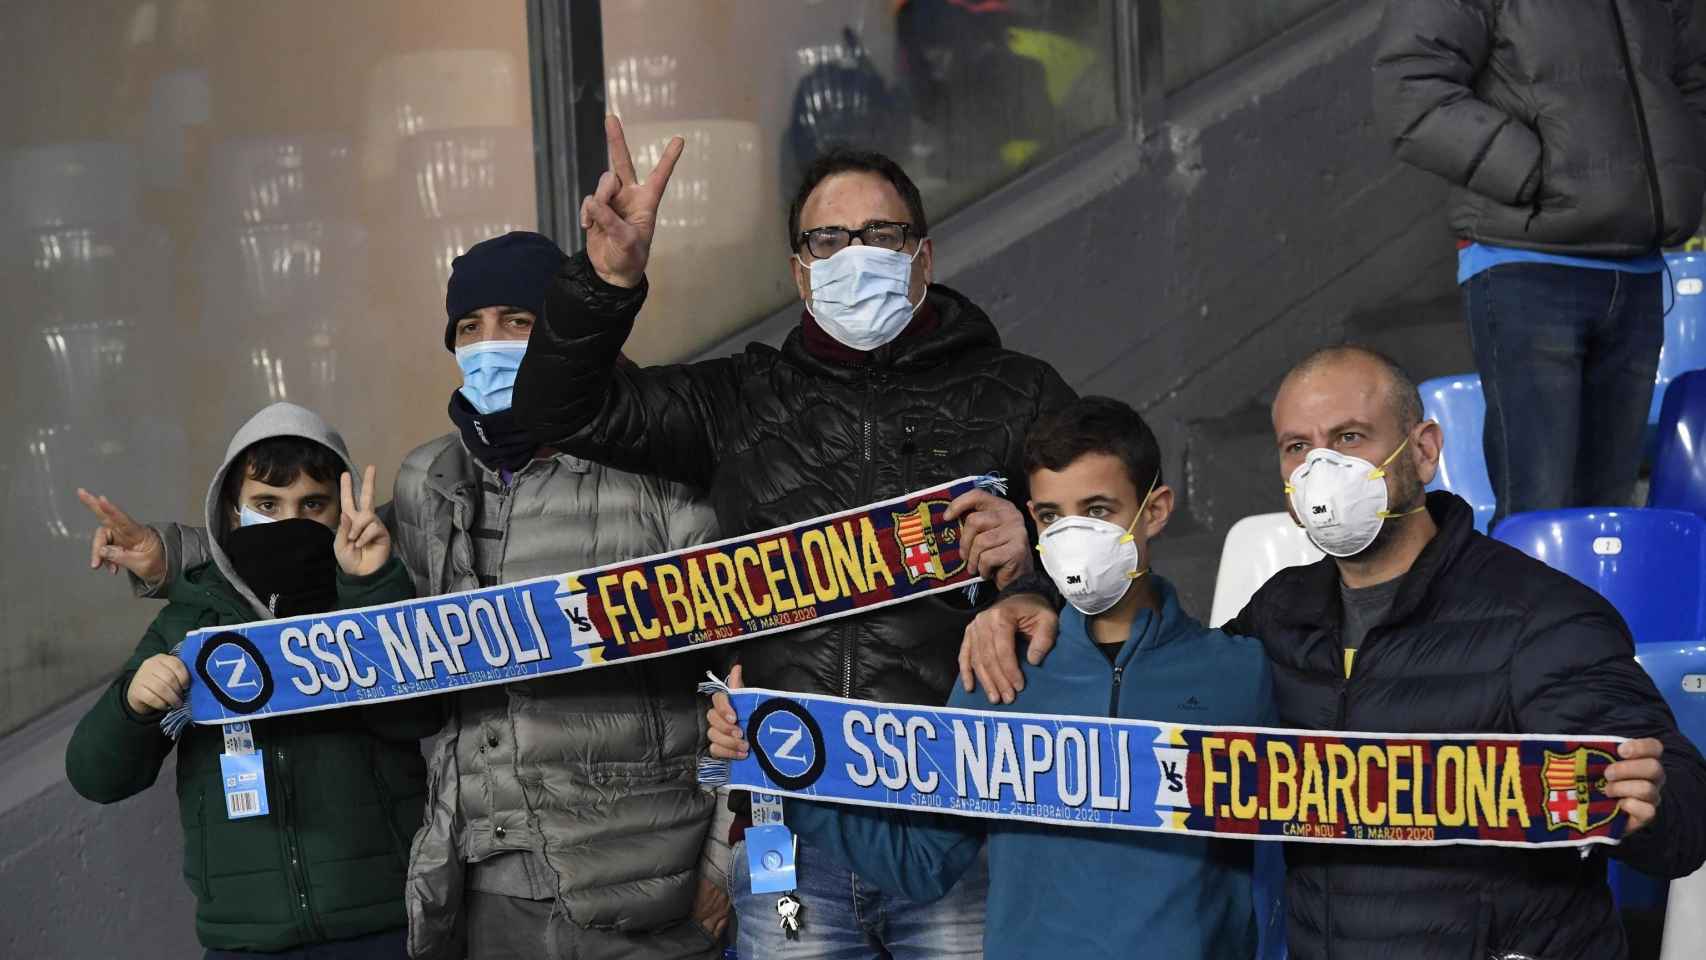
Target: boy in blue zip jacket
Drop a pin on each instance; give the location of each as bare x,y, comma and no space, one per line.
1126,649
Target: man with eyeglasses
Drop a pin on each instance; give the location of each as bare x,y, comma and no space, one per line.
890,383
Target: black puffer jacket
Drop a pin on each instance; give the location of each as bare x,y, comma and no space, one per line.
778,437
1481,639
1571,126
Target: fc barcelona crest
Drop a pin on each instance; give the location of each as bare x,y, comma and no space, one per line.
921,543
1576,800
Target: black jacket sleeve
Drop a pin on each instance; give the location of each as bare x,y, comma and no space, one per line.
114,753
1579,676
1425,64
577,394
1690,73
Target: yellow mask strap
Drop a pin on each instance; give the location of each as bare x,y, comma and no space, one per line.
1387,514
1133,525
1140,508
1380,471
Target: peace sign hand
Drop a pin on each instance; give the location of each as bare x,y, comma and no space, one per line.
122,543
362,543
621,215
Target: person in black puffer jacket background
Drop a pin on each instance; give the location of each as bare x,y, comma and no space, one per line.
889,384
1574,134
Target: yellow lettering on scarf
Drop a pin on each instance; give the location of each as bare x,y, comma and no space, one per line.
872,550
847,567
1282,772
672,597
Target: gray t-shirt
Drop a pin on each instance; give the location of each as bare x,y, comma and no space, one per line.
1365,607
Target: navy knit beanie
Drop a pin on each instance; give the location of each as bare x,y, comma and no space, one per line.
511,271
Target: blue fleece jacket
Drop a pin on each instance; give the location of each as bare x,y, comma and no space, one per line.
1057,891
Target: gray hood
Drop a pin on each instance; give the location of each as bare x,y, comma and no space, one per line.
277,420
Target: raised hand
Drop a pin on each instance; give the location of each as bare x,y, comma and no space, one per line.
621,215
122,543
362,543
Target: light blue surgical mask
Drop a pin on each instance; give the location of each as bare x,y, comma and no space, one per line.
859,295
488,372
249,518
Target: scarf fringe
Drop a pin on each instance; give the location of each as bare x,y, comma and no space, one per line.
177,718
713,772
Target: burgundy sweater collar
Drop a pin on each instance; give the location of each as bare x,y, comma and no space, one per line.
821,345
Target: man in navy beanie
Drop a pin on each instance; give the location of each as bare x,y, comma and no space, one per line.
565,818
511,270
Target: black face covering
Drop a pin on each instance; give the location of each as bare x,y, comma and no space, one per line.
497,440
289,564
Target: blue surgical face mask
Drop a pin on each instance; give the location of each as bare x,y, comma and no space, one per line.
488,372
859,295
249,518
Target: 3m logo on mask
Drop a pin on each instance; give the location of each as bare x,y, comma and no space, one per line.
921,543
235,673
1075,579
1321,514
787,743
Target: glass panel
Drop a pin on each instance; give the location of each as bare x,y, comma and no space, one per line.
1200,35
205,207
963,94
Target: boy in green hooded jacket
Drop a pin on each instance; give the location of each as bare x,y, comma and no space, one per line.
323,868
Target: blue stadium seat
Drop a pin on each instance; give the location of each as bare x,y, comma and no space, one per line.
1457,404
1647,562
1679,461
1685,325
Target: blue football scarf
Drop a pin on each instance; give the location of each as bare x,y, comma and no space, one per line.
724,592
1241,782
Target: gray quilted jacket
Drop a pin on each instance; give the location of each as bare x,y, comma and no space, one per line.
595,771
1568,126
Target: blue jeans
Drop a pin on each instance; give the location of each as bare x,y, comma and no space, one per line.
1567,357
390,945
845,918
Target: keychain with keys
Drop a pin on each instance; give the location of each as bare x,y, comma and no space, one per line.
770,851
788,907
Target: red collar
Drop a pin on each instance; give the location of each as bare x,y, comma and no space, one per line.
821,345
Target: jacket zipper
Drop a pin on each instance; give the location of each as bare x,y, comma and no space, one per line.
1114,694
384,791
867,427
909,456
1339,724
201,828
297,874
1654,199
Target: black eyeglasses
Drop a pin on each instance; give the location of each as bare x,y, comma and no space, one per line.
825,242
